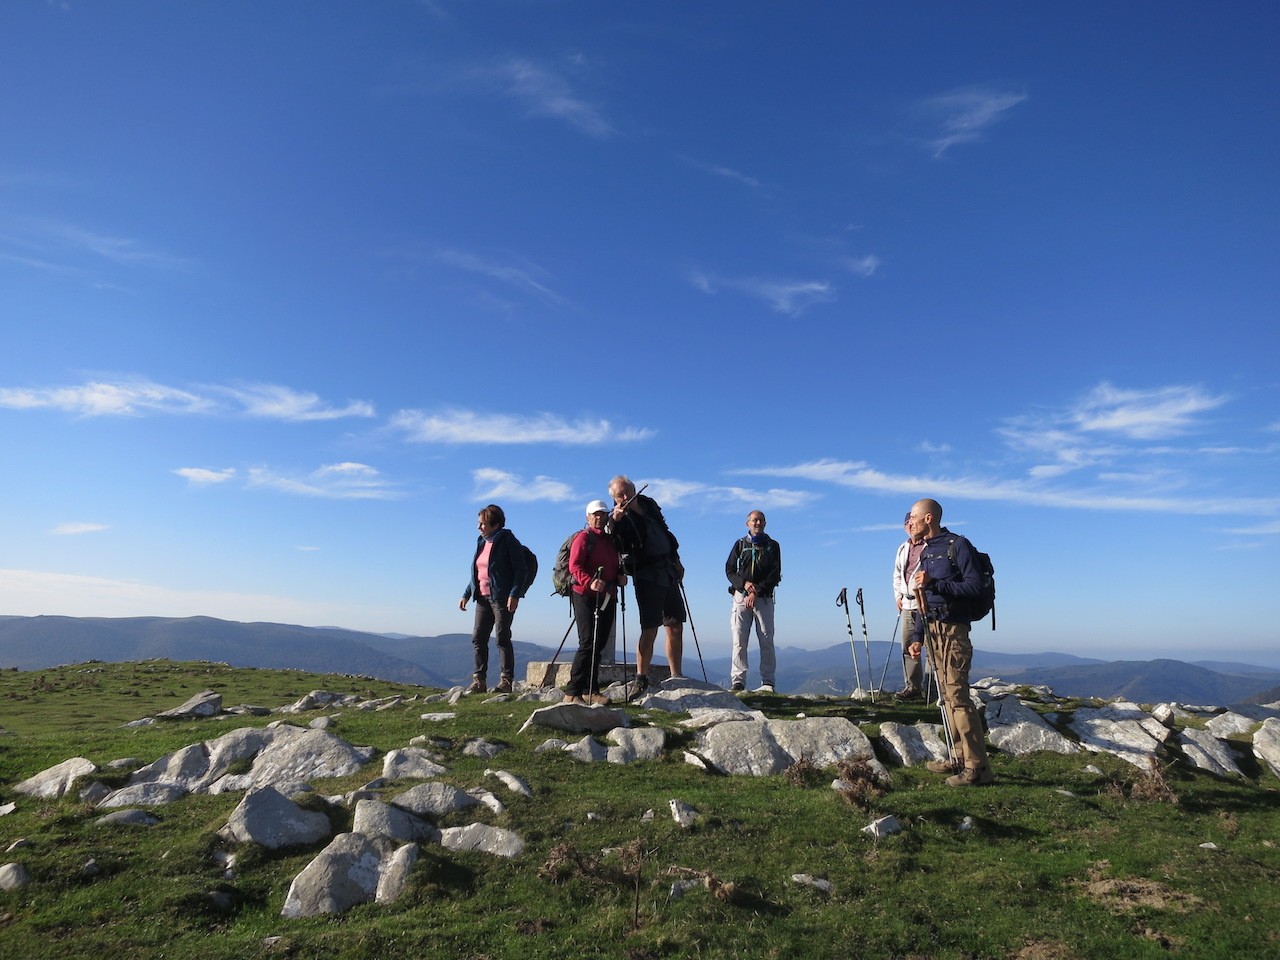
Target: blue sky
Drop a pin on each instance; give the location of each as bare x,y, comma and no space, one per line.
289,290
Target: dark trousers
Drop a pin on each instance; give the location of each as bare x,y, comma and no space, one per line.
594,624
488,616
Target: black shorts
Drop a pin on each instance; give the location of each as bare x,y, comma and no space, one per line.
660,604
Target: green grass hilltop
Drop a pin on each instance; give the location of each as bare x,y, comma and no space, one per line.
1050,863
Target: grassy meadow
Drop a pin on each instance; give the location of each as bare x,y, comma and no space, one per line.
1056,863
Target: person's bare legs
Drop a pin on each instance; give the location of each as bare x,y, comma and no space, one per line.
675,648
644,650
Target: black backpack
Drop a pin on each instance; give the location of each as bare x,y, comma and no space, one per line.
530,568
975,608
561,578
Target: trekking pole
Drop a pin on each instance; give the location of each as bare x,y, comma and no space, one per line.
622,614
593,682
893,637
931,645
866,642
689,613
842,600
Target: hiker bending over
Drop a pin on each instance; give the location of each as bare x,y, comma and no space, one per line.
652,558
597,573
754,568
498,577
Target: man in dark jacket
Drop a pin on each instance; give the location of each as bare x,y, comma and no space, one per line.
653,561
947,577
754,568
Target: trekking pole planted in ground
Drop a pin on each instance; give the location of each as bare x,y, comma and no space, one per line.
866,642
622,615
572,620
931,647
593,681
842,600
892,638
689,613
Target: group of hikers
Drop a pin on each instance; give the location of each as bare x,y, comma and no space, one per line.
936,579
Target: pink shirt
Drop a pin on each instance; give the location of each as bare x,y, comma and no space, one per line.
482,568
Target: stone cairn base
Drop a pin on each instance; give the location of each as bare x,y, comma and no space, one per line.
542,673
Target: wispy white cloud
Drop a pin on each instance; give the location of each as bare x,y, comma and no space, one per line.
674,493
200,477
131,397
788,297
963,115
1143,414
65,247
493,484
136,396
75,529
526,277
864,266
548,94
336,481
719,170
274,402
995,488
469,427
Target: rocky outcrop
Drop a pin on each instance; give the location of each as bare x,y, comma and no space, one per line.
53,783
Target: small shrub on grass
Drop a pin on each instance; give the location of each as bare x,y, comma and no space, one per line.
861,785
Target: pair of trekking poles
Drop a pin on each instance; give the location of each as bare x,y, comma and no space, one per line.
622,610
932,649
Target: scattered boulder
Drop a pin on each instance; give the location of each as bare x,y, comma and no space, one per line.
480,747
483,838
1226,724
637,743
126,818
411,763
769,747
273,821
1204,751
913,745
374,818
587,750
143,795
511,782
13,876
344,874
1266,744
308,755
1122,729
434,800
1016,729
52,783
683,814
394,876
807,880
206,703
884,827
577,718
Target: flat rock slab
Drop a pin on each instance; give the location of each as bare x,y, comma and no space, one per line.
577,718
126,818
483,838
207,703
1230,723
1204,751
1016,729
762,749
911,745
143,795
1122,729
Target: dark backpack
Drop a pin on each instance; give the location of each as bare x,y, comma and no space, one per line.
561,579
530,568
975,608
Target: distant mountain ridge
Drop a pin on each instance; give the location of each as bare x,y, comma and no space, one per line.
33,643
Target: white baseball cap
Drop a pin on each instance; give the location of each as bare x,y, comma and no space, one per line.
597,506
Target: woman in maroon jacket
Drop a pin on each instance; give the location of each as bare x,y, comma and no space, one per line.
597,573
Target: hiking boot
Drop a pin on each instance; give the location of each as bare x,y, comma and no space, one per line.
504,686
597,699
477,686
972,777
765,688
945,766
638,686
574,698
908,693
738,687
